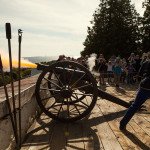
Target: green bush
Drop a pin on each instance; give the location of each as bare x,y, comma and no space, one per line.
24,73
7,80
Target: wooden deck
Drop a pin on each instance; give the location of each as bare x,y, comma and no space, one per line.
97,131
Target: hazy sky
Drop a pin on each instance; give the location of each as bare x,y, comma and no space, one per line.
51,27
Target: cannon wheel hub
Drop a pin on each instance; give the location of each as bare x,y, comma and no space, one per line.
66,92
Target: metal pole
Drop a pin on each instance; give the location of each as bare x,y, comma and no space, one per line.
19,82
8,36
7,100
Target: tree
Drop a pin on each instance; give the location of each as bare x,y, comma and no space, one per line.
114,29
146,27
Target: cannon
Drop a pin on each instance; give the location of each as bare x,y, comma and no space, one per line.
67,91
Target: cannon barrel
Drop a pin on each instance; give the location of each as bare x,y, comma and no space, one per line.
61,69
113,99
66,71
41,66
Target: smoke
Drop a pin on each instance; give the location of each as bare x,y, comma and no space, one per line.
91,61
91,64
24,63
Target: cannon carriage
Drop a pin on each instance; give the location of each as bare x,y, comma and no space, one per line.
67,91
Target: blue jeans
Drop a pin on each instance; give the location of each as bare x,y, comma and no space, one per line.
141,97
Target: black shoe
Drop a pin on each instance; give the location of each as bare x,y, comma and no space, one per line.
117,85
122,128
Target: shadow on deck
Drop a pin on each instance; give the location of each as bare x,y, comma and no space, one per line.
98,131
84,134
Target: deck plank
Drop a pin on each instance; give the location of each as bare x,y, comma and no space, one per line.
38,134
114,124
58,138
106,135
75,136
144,124
91,132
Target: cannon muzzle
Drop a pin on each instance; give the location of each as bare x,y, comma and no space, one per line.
41,66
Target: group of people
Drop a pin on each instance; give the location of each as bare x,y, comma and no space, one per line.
118,70
114,70
127,69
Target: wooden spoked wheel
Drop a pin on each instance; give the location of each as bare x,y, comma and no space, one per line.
66,91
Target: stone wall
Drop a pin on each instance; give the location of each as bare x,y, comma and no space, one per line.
29,110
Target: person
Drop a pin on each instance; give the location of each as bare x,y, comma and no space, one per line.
144,58
124,70
101,56
137,66
117,70
102,68
130,74
137,63
112,59
109,71
61,58
132,58
142,95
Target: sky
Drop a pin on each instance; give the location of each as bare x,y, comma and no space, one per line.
50,27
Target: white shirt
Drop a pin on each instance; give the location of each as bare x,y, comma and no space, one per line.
109,68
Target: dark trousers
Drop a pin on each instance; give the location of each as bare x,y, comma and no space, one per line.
141,97
130,78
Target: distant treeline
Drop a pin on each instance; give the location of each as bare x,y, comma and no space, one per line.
117,29
24,74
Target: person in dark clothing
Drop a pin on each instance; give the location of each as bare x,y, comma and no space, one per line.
137,66
61,58
142,95
137,63
102,68
131,71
